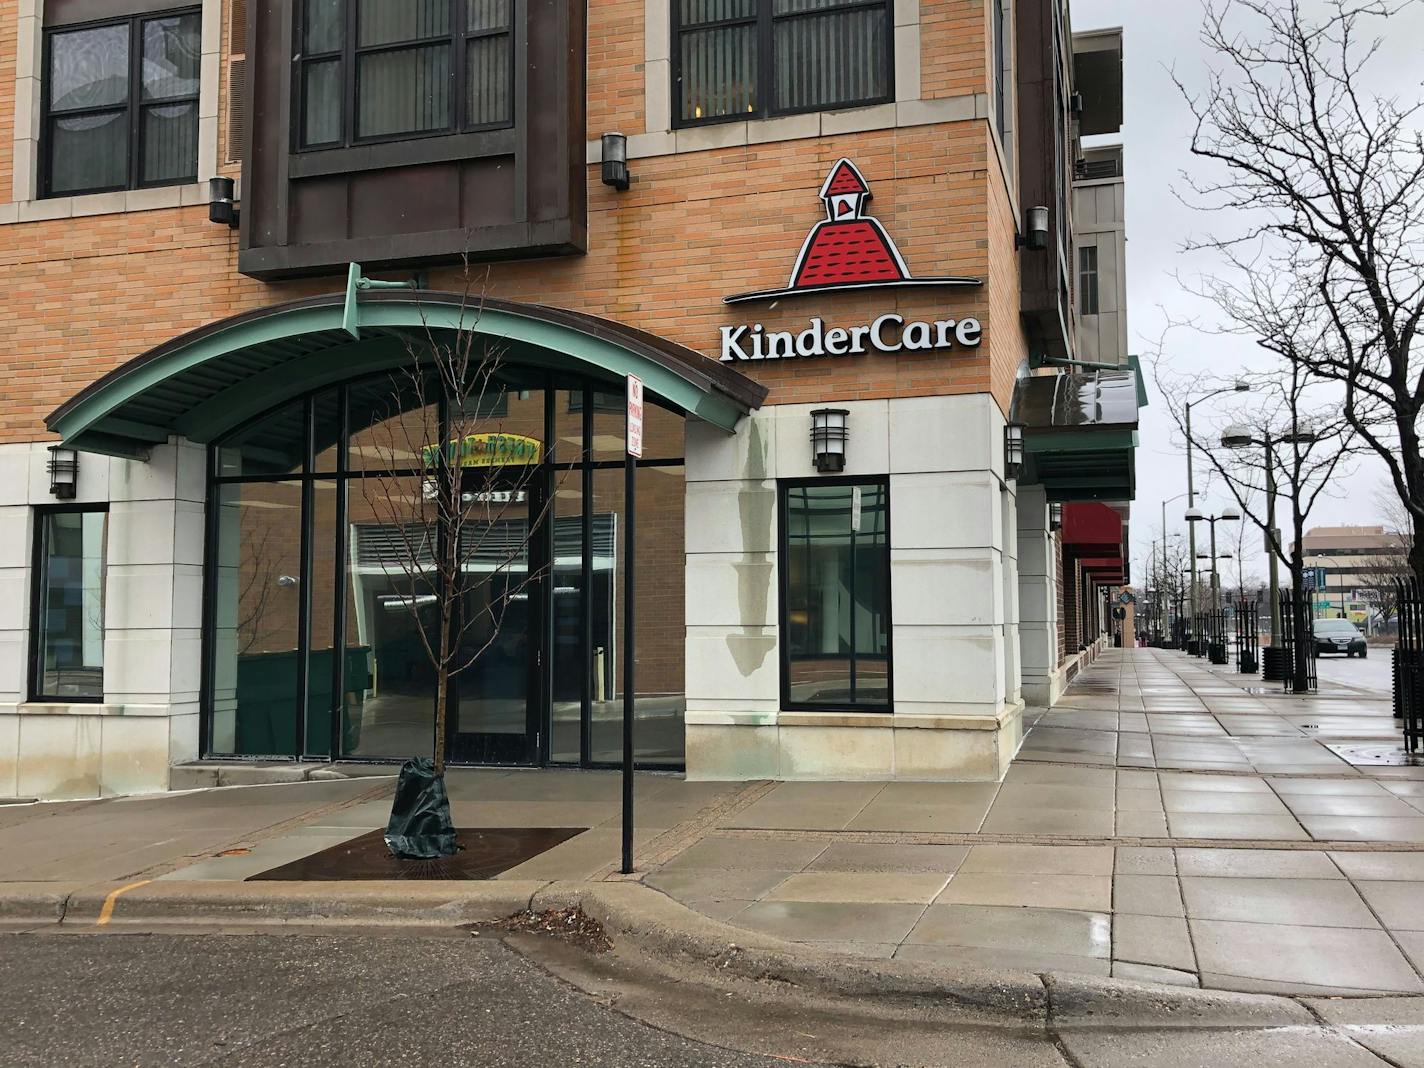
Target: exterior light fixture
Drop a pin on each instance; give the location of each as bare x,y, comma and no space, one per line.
1194,515
828,439
221,208
615,161
63,472
1241,386
1231,515
1037,237
1013,450
1236,437
1055,516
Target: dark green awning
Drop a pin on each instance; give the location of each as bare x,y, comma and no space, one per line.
1080,434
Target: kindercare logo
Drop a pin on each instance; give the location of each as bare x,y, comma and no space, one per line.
848,250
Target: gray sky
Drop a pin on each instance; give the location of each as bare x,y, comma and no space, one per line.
1160,37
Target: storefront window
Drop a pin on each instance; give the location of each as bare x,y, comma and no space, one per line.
68,631
835,568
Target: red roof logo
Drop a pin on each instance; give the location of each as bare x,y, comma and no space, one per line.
848,249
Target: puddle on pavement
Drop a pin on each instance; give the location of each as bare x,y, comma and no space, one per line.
1377,755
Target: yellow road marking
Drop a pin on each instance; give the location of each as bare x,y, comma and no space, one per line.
107,911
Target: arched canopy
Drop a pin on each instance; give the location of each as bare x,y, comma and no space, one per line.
208,381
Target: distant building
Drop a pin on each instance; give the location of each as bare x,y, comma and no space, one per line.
1354,568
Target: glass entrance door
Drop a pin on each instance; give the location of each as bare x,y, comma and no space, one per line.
494,709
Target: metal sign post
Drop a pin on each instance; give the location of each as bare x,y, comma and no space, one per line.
630,488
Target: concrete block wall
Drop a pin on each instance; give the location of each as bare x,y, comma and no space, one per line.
953,582
148,718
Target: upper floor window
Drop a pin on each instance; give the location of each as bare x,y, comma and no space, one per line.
736,59
121,104
1088,279
373,70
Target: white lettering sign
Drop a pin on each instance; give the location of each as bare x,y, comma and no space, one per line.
889,333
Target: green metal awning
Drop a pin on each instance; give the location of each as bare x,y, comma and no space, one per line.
205,383
1080,434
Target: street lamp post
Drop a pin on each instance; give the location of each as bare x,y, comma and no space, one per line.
1168,501
1239,387
1194,516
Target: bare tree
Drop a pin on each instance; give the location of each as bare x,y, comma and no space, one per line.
1284,452
455,497
1388,564
1327,182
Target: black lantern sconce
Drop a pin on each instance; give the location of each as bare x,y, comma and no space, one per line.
1055,516
1037,238
1013,450
63,472
828,439
221,209
615,161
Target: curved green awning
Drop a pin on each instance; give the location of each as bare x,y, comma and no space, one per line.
202,384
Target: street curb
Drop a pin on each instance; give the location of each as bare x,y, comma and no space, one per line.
663,929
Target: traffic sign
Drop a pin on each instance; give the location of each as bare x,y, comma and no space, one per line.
635,417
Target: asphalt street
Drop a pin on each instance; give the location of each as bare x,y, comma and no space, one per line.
1371,673
311,1000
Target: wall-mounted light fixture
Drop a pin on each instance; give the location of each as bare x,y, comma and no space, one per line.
1055,516
63,472
221,208
829,433
1013,450
1037,237
615,161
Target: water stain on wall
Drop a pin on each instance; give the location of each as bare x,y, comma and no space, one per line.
756,506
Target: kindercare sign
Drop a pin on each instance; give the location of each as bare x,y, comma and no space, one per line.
848,250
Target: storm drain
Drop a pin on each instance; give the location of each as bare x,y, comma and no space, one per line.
486,853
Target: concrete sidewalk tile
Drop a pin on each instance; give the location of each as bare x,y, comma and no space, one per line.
998,959
1396,904
1088,892
1048,775
1303,902
1151,973
945,794
874,856
746,853
825,793
803,921
1349,805
892,887
1328,787
1346,959
1179,1048
1138,780
1252,804
1147,895
1144,860
874,950
1256,864
1066,931
262,857
1229,826
1141,825
1360,866
769,814
708,884
1364,828
1404,788
1068,822
926,818
725,910
1232,784
1129,800
1039,859
1162,941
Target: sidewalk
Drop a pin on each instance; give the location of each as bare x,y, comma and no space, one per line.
1165,822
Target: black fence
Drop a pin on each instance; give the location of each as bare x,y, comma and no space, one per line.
1298,641
1409,663
1214,635
1248,637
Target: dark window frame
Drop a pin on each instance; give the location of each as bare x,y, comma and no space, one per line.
783,500
765,20
1089,281
33,689
348,58
133,107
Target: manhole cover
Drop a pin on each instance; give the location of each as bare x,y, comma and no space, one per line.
487,852
1376,755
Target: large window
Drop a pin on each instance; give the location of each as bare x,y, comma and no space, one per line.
746,58
373,70
67,625
1088,280
835,577
121,104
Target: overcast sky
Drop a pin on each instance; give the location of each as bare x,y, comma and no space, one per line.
1160,37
